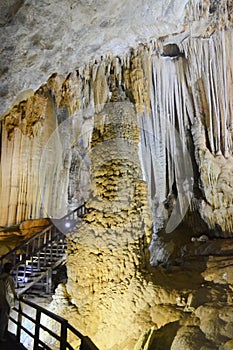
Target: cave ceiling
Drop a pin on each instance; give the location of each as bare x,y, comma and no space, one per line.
39,38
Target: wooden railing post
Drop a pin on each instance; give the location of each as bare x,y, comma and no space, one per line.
49,281
19,324
38,339
63,340
37,330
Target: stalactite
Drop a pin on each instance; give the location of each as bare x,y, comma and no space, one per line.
217,13
137,78
164,148
6,173
22,175
213,57
196,9
170,94
100,86
210,80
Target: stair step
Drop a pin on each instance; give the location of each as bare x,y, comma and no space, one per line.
55,244
55,251
28,269
43,261
32,274
28,275
48,255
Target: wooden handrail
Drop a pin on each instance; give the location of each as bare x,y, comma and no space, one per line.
86,342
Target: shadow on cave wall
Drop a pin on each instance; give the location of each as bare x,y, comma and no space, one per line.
163,338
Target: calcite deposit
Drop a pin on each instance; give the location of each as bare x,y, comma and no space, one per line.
187,118
137,122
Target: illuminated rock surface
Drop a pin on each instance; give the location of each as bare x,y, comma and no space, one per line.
137,121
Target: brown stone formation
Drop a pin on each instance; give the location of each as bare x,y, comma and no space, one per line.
145,137
28,115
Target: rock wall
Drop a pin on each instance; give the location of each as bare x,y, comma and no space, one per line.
152,134
32,173
185,128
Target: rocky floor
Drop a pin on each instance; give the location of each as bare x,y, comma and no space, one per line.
203,315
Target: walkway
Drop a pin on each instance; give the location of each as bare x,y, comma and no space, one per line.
11,343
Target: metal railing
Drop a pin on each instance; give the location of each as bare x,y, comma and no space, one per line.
27,257
30,247
76,213
36,332
41,239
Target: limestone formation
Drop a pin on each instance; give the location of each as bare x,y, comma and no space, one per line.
111,241
138,123
167,137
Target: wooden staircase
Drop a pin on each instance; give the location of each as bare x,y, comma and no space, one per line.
37,260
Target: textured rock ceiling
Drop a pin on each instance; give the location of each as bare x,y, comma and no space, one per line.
39,38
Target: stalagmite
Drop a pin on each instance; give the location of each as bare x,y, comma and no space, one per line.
118,221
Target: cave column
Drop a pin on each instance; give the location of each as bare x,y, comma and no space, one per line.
107,251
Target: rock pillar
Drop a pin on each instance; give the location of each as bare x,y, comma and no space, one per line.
107,251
